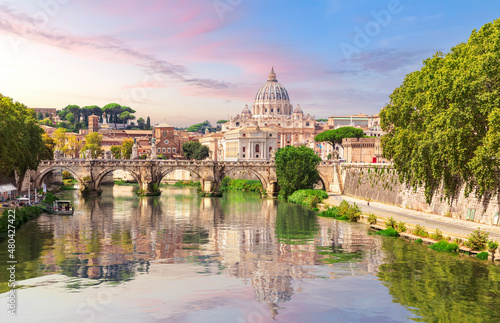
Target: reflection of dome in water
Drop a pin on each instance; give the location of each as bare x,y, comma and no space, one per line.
272,289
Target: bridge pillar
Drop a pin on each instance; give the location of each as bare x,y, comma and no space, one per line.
272,189
149,188
210,189
88,188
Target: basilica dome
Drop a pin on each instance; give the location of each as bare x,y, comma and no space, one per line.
272,98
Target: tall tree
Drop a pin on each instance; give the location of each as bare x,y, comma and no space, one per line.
60,137
86,112
140,123
148,124
49,147
116,151
21,145
39,116
73,146
442,122
75,110
195,150
296,169
125,116
113,109
126,148
335,136
93,143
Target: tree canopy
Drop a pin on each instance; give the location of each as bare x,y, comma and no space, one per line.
22,146
93,143
443,122
335,136
199,127
195,150
296,169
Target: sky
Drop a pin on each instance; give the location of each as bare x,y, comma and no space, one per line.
186,61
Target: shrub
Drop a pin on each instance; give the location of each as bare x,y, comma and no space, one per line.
372,218
309,198
343,207
492,246
419,240
353,213
67,175
389,232
477,240
445,246
390,223
401,226
331,212
437,235
458,241
420,231
482,255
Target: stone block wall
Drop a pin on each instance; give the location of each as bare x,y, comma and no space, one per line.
380,183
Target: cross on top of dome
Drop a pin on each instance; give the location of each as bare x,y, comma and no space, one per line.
272,75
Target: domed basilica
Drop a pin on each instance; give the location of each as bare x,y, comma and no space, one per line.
272,109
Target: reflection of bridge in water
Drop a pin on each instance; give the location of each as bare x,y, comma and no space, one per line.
149,173
205,231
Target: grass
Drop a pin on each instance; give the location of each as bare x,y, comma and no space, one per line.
389,232
309,198
482,255
444,246
251,185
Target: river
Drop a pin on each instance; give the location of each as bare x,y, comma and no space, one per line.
239,258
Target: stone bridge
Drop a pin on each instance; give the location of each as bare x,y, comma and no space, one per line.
149,173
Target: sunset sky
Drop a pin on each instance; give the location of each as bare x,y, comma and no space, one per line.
195,60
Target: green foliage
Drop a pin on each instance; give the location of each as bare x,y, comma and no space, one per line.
49,198
477,240
391,223
333,255
21,142
353,213
222,121
335,136
492,246
443,122
199,127
331,212
322,120
482,255
126,148
93,143
437,235
296,169
67,175
344,211
420,231
22,215
309,198
116,151
389,232
195,150
186,183
372,218
445,246
401,227
419,241
251,185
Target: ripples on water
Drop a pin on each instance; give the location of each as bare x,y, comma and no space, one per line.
239,258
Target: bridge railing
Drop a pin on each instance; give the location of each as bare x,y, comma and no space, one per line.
156,162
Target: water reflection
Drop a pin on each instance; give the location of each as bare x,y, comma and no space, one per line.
283,251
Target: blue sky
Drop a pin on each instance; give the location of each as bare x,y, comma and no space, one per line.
189,61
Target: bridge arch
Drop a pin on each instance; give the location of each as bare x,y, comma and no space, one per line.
165,171
106,171
323,181
259,176
41,177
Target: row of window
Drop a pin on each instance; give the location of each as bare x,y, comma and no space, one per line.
162,150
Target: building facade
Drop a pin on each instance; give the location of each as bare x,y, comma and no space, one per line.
248,144
272,109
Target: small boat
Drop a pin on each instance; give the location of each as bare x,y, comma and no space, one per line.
63,207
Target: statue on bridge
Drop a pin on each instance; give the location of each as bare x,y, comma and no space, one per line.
108,154
88,154
57,154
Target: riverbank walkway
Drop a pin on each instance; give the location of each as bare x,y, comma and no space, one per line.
449,226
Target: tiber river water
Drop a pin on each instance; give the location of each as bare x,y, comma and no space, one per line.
181,258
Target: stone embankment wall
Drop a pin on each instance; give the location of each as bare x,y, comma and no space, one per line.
380,183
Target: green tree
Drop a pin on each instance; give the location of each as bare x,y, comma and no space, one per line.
195,150
93,143
116,151
60,137
70,117
148,124
126,148
22,146
335,136
140,123
443,122
125,116
113,110
75,110
199,127
86,112
49,147
39,116
296,169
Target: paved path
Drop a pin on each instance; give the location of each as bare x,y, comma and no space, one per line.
449,226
